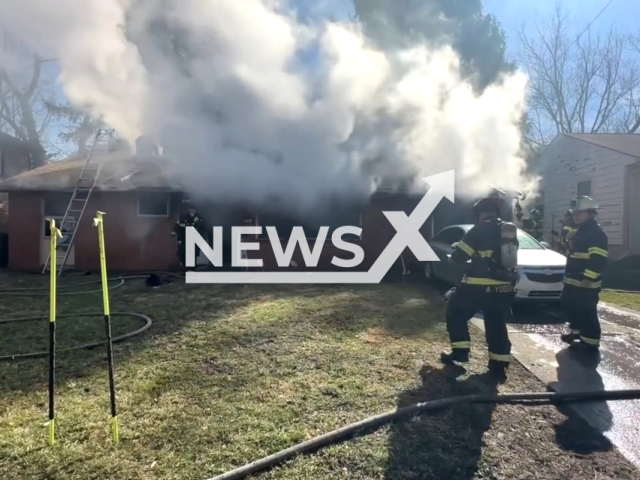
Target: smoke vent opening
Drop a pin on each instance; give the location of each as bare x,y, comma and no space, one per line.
146,146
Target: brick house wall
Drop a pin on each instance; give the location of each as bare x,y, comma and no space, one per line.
133,242
15,158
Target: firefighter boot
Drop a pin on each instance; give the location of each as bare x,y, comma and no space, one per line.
498,370
571,337
455,357
583,346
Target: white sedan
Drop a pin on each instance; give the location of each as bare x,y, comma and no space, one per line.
540,269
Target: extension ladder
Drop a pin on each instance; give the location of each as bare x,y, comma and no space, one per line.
79,199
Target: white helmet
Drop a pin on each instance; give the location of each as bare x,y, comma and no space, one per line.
583,203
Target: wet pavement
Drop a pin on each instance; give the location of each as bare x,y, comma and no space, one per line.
535,336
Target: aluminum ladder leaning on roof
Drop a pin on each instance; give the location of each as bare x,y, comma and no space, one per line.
79,199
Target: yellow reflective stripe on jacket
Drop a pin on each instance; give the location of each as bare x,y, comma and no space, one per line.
485,253
590,341
500,358
483,281
568,228
466,248
591,274
583,256
460,344
585,284
598,251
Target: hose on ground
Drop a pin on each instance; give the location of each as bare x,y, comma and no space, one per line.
371,423
44,291
26,356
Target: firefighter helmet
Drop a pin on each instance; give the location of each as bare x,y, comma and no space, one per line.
489,205
583,203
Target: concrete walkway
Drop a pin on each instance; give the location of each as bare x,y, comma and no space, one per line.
536,344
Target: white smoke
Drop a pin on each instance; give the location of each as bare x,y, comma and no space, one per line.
265,108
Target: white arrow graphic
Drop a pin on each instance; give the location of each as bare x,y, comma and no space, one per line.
407,235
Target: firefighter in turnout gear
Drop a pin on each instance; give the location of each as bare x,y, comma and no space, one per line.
586,260
488,286
568,226
191,219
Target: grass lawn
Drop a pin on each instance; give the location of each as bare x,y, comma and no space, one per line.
628,300
229,374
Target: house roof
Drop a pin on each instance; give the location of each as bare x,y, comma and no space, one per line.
627,143
121,171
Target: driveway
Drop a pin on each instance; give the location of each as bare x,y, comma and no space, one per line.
535,336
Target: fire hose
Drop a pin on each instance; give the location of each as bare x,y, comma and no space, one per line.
375,422
43,291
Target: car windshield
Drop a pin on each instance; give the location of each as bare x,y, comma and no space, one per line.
527,242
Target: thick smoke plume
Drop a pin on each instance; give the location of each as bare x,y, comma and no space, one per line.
252,104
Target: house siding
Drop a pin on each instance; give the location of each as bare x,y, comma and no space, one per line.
569,161
14,159
25,230
132,243
135,243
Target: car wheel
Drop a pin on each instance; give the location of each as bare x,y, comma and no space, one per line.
428,272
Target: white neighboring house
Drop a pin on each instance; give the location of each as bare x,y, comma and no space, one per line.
605,167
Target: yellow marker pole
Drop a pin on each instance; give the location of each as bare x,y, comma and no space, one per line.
55,233
99,222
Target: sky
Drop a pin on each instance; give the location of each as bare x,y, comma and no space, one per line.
513,14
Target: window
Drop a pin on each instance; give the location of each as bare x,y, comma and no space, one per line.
1,162
584,188
527,242
153,205
449,236
55,204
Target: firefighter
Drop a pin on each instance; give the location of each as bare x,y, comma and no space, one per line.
568,226
487,286
586,259
191,219
529,225
537,217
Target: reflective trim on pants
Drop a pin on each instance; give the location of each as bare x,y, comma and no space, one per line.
590,341
461,345
483,281
500,358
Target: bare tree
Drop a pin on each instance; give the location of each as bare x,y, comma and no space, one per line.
583,85
23,90
76,126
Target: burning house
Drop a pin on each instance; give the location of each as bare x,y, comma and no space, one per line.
142,204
